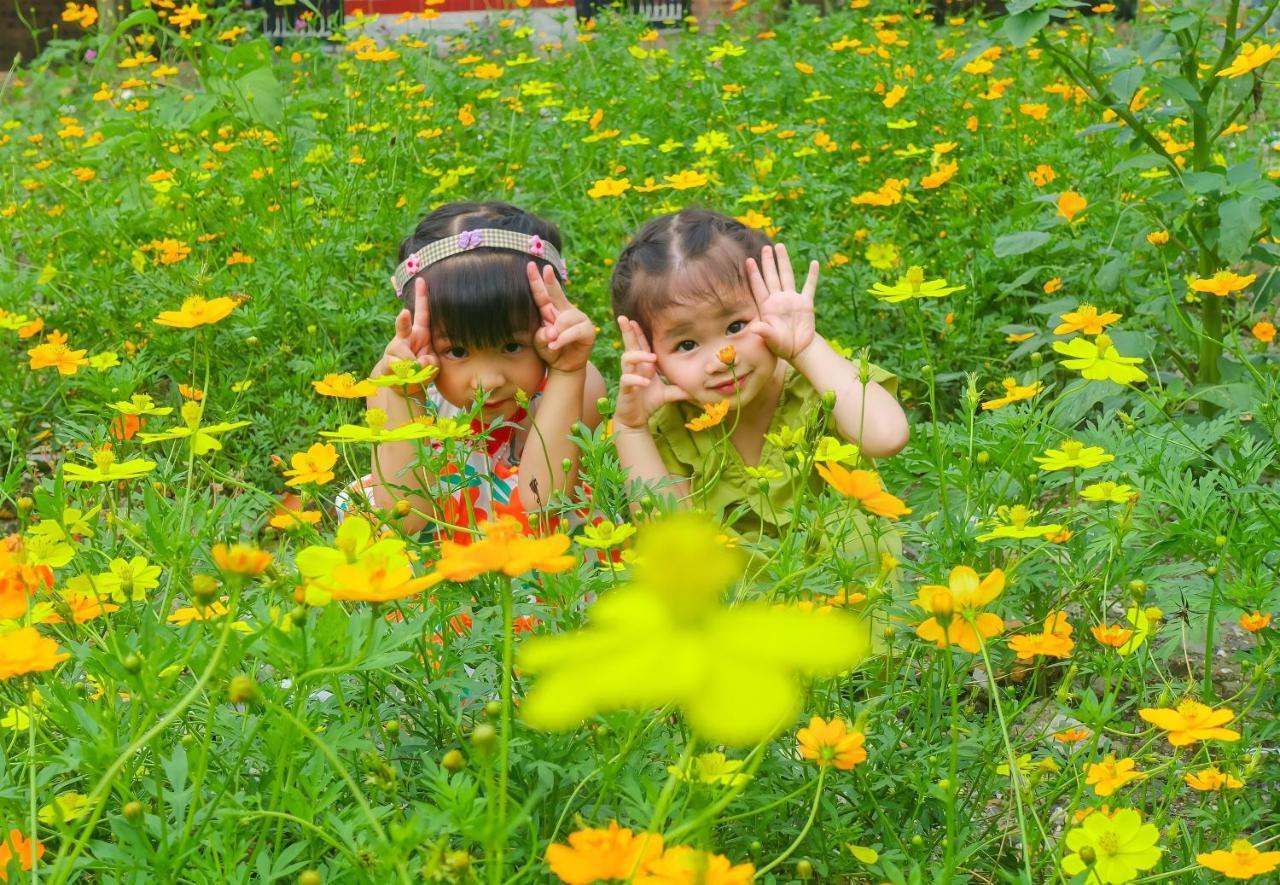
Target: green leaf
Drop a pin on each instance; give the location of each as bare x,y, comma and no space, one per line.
1020,243
1020,28
1108,277
1203,182
1240,219
1179,88
1125,83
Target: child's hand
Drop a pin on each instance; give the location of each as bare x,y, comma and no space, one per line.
786,316
640,392
412,340
565,339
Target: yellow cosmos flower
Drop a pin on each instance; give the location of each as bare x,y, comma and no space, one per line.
1110,775
609,187
1085,319
106,469
315,465
1073,454
202,437
913,285
1223,283
344,386
955,618
666,638
1016,522
1100,361
686,180
1114,848
1243,861
1013,393
197,311
1108,492
714,769
1191,722
1211,780
1250,58
683,865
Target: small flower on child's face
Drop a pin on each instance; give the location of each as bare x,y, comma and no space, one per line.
727,355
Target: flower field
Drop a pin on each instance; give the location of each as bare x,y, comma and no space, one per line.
1059,231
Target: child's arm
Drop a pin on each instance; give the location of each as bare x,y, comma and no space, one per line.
394,476
865,414
640,394
564,343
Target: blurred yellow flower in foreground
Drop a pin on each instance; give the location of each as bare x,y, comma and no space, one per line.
668,639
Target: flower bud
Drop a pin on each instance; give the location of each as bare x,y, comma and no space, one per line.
401,509
132,662
983,458
310,877
1138,589
25,505
804,869
1212,571
1220,541
943,606
604,406
1037,358
242,689
204,589
391,728
493,709
1088,855
484,736
251,341
132,810
453,761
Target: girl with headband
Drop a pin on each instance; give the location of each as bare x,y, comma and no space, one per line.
481,285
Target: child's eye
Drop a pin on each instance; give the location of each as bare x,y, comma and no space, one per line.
512,347
737,326
685,346
456,353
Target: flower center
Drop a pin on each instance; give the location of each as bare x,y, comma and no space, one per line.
1109,844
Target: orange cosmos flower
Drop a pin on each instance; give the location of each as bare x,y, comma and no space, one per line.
955,619
683,865
1158,237
57,355
1111,635
27,851
1255,622
241,559
83,607
1211,779
711,415
864,487
315,465
1110,775
1192,721
595,854
504,548
1070,204
1243,861
1054,641
1264,331
197,311
832,743
1072,735
25,651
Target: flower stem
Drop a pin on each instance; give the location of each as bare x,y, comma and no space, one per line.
804,831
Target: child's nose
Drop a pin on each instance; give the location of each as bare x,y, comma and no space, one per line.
488,379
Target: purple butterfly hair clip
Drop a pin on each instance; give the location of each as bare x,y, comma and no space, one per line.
469,239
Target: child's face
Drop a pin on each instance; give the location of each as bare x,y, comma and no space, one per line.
497,371
688,339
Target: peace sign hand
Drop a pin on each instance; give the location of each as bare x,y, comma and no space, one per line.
566,336
640,392
412,340
786,316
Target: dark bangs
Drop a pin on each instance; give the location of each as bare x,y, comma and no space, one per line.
479,298
691,257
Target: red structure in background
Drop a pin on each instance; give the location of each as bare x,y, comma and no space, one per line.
398,7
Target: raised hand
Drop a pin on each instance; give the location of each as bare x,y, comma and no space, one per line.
786,315
566,336
412,340
640,391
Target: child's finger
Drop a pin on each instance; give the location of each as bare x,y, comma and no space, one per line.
540,296
758,288
811,282
769,265
632,382
764,330
554,289
421,310
785,275
573,335
624,329
403,324
641,340
673,394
